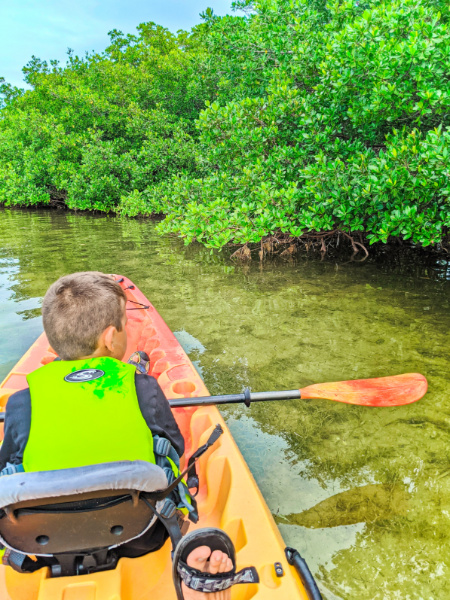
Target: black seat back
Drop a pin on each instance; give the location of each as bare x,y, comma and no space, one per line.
79,524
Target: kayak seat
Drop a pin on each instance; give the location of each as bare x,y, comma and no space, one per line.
74,518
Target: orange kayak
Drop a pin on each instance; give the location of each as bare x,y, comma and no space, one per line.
228,498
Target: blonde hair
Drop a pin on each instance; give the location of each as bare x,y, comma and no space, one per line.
78,308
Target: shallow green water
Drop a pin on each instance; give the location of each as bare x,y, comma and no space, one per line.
379,479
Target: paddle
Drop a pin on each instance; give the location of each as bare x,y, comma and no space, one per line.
395,390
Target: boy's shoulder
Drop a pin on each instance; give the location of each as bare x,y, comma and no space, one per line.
145,380
147,389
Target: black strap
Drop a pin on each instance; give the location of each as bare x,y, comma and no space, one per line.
169,518
141,306
215,435
205,582
20,562
193,481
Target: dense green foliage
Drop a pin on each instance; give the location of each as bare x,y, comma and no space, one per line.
299,119
104,127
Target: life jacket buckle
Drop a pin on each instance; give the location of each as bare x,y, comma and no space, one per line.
162,446
169,474
168,510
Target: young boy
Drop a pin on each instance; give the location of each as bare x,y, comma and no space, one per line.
88,407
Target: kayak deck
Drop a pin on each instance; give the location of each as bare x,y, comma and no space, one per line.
228,497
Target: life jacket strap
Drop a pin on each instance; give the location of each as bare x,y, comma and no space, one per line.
11,469
164,451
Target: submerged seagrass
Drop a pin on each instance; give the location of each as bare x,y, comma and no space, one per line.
363,504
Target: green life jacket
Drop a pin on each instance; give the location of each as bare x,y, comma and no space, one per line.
85,412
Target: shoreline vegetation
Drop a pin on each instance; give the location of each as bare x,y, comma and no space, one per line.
297,125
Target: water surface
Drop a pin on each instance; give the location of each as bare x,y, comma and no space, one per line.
364,494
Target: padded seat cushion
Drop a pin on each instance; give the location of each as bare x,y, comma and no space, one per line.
123,475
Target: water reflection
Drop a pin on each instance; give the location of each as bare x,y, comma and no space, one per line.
283,326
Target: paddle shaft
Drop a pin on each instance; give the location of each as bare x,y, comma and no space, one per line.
247,397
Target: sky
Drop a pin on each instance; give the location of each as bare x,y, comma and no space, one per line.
46,28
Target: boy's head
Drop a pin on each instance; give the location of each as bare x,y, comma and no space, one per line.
84,315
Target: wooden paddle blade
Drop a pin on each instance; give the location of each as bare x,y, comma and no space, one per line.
380,391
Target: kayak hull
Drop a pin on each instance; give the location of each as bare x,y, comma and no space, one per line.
228,497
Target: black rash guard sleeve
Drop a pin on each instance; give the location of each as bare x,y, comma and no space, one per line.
156,411
17,428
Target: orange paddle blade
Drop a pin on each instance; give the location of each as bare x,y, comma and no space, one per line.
380,391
